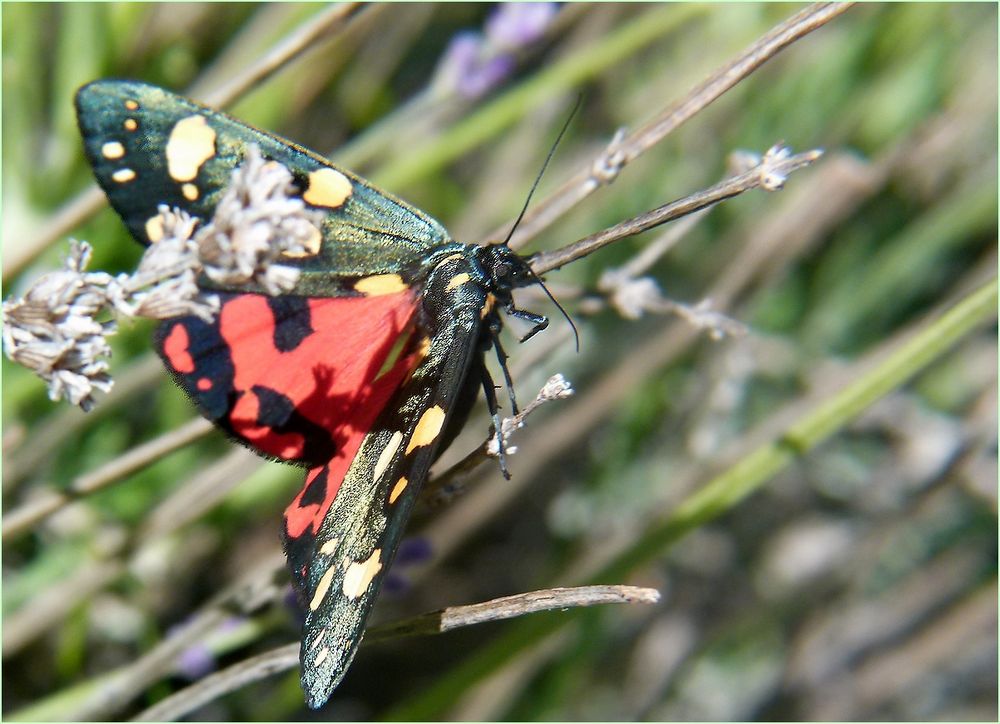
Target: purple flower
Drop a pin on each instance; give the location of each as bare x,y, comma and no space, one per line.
195,662
198,660
411,552
476,63
515,25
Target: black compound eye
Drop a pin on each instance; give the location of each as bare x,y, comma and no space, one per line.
502,269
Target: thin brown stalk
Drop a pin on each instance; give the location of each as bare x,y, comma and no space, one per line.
114,692
37,618
499,609
286,657
223,682
547,261
24,518
65,422
293,46
625,149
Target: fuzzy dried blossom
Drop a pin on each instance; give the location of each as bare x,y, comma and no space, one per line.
556,387
771,166
258,220
53,330
164,285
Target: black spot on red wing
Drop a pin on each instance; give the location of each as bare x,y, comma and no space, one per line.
315,492
292,321
278,412
275,409
299,552
212,361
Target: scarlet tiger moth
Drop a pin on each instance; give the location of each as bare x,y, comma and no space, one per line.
362,373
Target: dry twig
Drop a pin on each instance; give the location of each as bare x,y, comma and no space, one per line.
286,657
22,519
625,148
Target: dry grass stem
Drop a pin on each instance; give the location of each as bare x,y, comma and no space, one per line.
626,147
286,657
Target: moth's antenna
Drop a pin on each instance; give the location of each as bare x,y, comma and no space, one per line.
576,334
538,178
524,209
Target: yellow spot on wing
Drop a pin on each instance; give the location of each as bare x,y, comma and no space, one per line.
321,656
154,228
397,490
131,104
329,188
457,281
387,453
322,587
329,547
130,124
123,175
380,284
427,428
191,143
112,150
190,192
360,574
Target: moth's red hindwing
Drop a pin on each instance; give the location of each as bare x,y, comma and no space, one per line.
294,378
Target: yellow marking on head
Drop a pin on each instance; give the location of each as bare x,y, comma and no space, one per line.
328,188
191,143
360,574
397,490
329,547
427,428
310,246
131,104
112,150
488,306
387,454
190,192
322,587
376,286
130,124
457,281
123,175
321,656
154,228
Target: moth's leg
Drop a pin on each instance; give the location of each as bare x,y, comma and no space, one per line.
502,359
491,403
540,321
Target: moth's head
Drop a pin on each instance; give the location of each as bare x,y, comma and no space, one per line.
505,269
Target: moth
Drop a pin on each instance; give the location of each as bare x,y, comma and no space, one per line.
362,373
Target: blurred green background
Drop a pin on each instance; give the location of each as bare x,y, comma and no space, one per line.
858,583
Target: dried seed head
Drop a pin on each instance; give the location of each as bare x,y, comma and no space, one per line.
258,219
164,285
52,329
